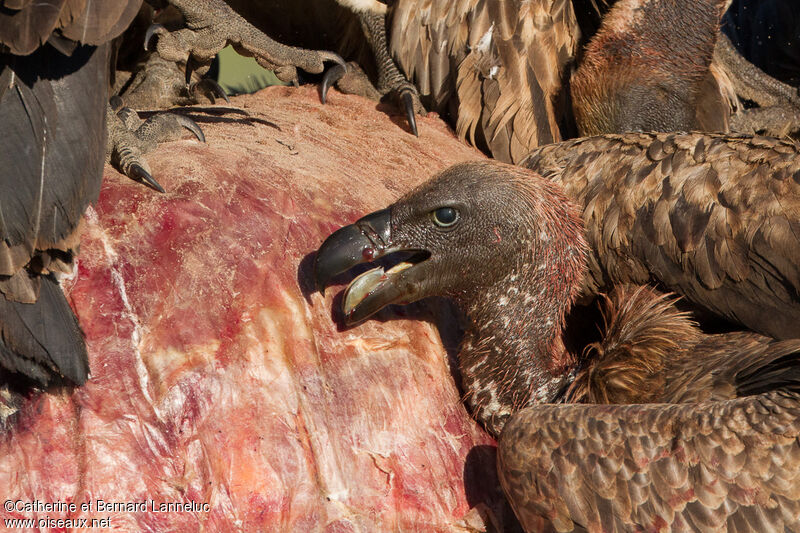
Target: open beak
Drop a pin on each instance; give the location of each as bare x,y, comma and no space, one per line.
364,241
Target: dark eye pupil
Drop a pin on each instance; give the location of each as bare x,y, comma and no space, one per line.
445,216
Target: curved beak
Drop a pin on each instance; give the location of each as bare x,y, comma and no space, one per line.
362,242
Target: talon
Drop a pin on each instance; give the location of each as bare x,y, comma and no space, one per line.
332,75
192,126
138,173
336,58
128,116
213,89
152,30
116,103
190,64
408,105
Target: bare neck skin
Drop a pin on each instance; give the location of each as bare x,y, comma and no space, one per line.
513,355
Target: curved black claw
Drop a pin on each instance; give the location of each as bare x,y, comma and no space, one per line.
137,173
191,64
152,30
212,88
192,126
116,103
332,56
408,104
332,75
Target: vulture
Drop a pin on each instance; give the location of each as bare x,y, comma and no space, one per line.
502,69
700,431
53,84
54,110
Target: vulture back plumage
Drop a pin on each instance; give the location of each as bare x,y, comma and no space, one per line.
709,466
714,218
495,66
53,96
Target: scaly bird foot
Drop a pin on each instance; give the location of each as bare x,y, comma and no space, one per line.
349,79
212,24
407,97
160,84
390,80
773,121
353,80
778,113
129,138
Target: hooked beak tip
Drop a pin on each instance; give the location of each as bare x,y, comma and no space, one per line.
344,248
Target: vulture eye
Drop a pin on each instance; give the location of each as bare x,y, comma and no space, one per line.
444,217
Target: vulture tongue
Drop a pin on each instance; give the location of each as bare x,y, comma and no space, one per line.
366,289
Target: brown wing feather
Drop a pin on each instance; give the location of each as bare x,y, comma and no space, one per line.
651,352
26,25
644,332
99,22
715,462
502,61
714,218
713,466
724,367
429,39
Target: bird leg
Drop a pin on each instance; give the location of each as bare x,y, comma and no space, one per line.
779,104
129,138
750,81
160,84
774,121
390,79
349,80
212,24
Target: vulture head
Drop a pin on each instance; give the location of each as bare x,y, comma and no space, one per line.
506,245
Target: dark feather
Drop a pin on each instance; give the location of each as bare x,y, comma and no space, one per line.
25,26
43,339
52,122
782,371
99,22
